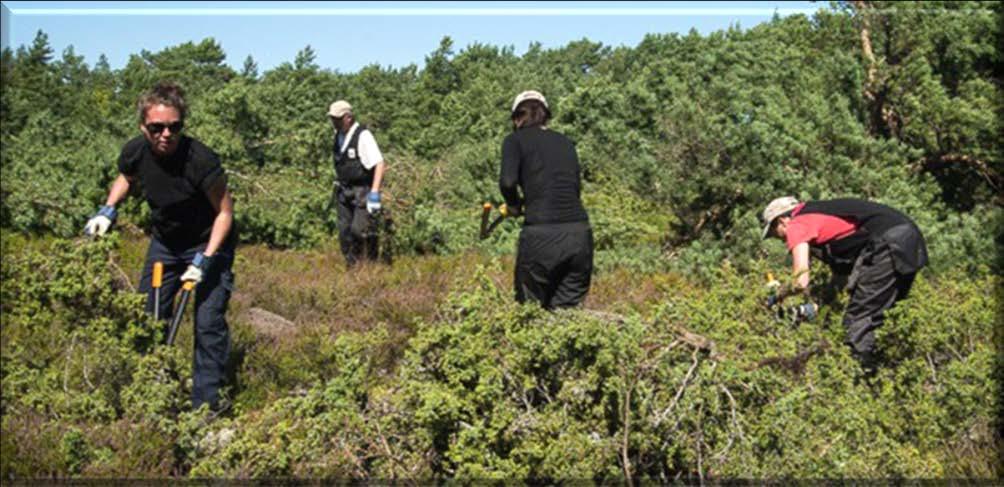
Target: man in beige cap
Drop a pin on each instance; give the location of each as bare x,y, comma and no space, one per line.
360,168
880,248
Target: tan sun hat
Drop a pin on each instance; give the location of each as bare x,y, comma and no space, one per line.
528,95
775,209
339,108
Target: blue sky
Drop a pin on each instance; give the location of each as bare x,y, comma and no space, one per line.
347,36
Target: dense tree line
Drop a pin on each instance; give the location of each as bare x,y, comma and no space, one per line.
683,138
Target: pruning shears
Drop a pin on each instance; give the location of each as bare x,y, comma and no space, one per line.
773,288
792,314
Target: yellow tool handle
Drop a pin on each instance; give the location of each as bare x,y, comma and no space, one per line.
188,285
158,273
503,209
772,284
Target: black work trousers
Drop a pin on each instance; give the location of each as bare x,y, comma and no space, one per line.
357,232
212,335
554,264
874,286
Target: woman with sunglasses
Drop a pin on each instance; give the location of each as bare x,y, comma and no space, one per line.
193,234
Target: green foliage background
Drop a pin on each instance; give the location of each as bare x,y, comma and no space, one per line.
682,138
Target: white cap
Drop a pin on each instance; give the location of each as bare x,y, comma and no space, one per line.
528,95
339,108
775,209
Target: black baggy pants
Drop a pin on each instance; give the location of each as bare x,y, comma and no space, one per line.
554,264
357,232
874,286
212,335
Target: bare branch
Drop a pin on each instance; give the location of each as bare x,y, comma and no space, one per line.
626,406
679,393
123,277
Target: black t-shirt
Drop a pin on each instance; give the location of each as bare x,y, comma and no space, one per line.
545,165
175,188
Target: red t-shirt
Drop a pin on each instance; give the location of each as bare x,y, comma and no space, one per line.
816,228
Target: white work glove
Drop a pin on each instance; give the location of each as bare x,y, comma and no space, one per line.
101,222
806,312
373,202
194,271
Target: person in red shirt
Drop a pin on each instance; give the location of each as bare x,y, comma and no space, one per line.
879,248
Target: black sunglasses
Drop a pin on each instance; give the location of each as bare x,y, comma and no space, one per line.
157,128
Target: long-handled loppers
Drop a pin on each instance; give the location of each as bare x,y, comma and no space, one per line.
486,210
158,279
186,291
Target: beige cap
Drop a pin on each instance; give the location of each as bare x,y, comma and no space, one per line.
528,95
339,108
777,208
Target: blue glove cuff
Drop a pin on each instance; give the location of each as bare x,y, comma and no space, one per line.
808,311
108,211
200,260
373,197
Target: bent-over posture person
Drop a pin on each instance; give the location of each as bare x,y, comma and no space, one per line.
879,248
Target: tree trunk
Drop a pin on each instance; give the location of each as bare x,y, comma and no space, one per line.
882,116
866,48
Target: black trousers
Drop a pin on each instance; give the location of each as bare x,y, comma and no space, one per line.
875,286
357,232
554,264
212,335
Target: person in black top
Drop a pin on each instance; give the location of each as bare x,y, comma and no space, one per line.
360,168
554,260
193,232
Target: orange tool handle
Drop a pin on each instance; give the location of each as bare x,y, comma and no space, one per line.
486,211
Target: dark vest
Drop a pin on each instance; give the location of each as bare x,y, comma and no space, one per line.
877,225
348,167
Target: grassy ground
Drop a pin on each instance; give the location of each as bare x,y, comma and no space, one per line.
288,304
